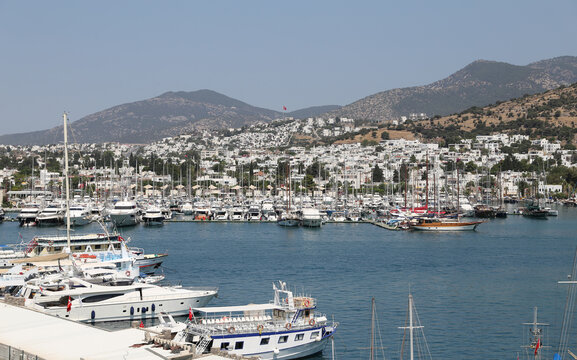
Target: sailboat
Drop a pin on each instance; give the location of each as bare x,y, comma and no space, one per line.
537,338
445,224
416,337
289,219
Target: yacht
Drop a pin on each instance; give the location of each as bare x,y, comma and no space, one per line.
28,214
80,215
254,213
153,216
124,213
311,217
187,208
2,214
51,215
78,299
286,328
221,214
237,214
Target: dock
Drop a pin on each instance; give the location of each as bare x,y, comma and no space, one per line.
28,334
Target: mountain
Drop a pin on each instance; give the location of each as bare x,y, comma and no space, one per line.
313,111
477,84
170,114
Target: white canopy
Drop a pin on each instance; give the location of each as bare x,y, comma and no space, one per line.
240,308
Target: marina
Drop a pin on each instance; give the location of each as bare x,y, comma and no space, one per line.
478,285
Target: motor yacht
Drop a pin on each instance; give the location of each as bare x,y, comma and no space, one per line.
124,213
153,216
51,215
28,213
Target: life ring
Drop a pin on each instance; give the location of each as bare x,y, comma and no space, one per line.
231,329
312,322
307,303
288,326
260,328
127,272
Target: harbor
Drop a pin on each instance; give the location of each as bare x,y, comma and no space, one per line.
469,286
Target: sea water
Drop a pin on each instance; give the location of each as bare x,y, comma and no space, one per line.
472,290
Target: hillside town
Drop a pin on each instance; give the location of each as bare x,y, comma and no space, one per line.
253,162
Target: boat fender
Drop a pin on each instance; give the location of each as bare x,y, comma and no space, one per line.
260,328
127,272
93,315
131,310
288,326
312,322
153,307
231,329
276,350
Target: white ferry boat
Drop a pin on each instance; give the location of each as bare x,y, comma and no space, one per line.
124,213
287,328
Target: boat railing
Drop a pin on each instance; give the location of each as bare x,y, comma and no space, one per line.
239,325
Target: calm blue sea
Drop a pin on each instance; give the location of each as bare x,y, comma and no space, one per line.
472,290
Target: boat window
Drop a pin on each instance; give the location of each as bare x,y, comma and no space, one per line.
283,339
315,334
97,246
264,341
224,346
239,345
77,248
98,298
299,337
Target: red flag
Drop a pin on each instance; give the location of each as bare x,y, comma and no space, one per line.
69,306
141,324
284,108
190,313
537,346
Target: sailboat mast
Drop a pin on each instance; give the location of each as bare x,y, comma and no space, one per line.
411,328
66,180
372,356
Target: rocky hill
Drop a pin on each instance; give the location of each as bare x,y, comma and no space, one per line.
551,115
170,114
478,84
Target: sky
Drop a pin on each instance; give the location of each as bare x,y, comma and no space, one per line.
86,56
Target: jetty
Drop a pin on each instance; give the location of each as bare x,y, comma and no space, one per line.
28,334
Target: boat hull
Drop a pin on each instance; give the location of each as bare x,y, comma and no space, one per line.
133,310
124,219
446,226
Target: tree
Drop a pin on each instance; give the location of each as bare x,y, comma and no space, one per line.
377,174
385,135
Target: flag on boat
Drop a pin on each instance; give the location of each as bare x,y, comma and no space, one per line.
537,346
69,306
190,313
284,108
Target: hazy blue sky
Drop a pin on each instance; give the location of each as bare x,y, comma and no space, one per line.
85,56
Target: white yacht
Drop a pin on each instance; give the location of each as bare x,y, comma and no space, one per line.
78,299
311,217
221,214
51,215
153,216
287,328
124,213
187,208
237,214
80,215
254,213
28,213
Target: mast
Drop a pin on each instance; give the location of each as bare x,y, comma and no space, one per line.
458,190
66,181
372,356
427,184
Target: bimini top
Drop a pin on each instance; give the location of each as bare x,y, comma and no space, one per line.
240,308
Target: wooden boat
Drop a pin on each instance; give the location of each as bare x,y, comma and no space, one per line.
435,224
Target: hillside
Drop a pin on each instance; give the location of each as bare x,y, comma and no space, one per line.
552,114
478,84
170,114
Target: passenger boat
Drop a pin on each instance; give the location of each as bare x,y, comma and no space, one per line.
484,211
78,299
104,247
287,328
436,224
535,211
